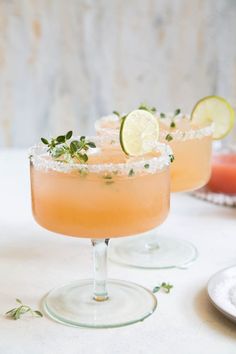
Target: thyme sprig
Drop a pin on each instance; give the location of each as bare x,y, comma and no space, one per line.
17,312
131,172
172,123
65,150
176,112
142,106
166,287
119,115
172,158
145,107
169,137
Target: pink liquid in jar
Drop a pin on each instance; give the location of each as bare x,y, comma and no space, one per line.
223,177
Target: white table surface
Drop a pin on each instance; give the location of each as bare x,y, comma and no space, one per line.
33,260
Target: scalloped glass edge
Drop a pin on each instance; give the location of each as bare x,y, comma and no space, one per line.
38,152
215,198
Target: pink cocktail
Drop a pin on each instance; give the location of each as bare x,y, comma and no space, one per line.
223,177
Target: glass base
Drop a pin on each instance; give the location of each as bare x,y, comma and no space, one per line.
152,252
73,304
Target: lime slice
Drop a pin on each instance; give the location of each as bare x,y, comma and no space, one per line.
139,132
214,109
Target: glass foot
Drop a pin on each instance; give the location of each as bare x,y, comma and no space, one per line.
155,252
73,304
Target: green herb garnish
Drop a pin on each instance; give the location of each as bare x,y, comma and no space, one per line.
177,111
83,172
109,181
107,177
162,115
169,137
120,116
17,312
61,148
145,107
142,106
166,287
117,113
131,172
146,165
171,158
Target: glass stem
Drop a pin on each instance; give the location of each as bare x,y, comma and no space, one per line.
100,269
152,243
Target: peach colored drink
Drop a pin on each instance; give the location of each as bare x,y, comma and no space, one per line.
191,168
99,204
191,146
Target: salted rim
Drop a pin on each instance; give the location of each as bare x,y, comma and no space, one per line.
39,152
107,131
177,134
189,134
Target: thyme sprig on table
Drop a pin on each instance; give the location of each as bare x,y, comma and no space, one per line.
17,312
166,287
66,151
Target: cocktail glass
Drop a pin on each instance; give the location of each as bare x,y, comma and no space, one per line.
190,170
110,196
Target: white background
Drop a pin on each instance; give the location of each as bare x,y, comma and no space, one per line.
65,63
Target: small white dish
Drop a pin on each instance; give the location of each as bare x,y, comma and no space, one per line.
222,292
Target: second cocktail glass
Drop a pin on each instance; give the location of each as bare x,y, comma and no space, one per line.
190,170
